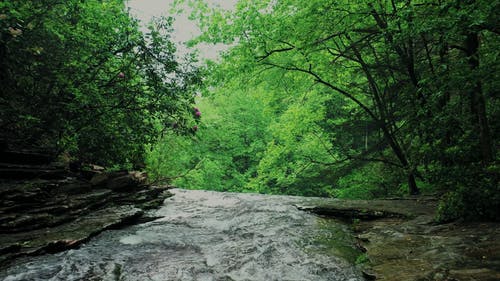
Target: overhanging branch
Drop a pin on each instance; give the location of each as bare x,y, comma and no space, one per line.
269,53
320,80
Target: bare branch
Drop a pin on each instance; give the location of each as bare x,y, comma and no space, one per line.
269,53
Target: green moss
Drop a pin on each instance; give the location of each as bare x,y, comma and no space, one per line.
362,259
335,239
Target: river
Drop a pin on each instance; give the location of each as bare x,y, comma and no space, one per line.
209,236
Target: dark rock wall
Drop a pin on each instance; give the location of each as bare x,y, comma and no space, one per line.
46,207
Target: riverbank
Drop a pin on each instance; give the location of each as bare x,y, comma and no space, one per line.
402,241
206,235
48,207
399,238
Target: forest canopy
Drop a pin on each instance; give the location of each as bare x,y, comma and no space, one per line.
344,99
350,99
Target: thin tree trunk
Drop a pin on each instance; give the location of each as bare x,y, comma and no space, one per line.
478,102
384,122
398,151
412,184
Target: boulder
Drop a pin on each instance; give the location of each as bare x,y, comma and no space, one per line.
124,183
140,177
91,170
99,179
96,168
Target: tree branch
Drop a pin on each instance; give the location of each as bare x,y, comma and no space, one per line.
269,53
318,79
169,179
358,158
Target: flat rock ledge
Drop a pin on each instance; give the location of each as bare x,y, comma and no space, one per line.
46,208
401,241
68,235
66,220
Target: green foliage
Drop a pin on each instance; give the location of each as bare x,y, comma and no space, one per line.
386,97
80,77
362,259
225,151
373,180
292,161
476,196
451,207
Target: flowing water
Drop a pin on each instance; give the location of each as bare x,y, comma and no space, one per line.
209,236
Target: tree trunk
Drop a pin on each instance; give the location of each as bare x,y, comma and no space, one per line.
396,148
383,121
412,184
477,100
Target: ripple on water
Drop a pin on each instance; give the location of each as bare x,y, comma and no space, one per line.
206,236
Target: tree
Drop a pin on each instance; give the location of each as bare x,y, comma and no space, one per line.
288,39
399,65
80,77
224,153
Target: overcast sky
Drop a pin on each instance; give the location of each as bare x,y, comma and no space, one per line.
184,29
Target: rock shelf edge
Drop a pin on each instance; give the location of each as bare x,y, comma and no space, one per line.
47,207
401,240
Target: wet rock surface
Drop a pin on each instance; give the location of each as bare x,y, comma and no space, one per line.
45,207
209,236
402,241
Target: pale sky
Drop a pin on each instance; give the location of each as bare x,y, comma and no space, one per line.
184,29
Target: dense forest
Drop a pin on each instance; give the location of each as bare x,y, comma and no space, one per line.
315,98
352,100
80,78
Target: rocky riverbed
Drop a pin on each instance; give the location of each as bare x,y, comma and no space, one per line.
201,235
45,207
402,241
208,236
